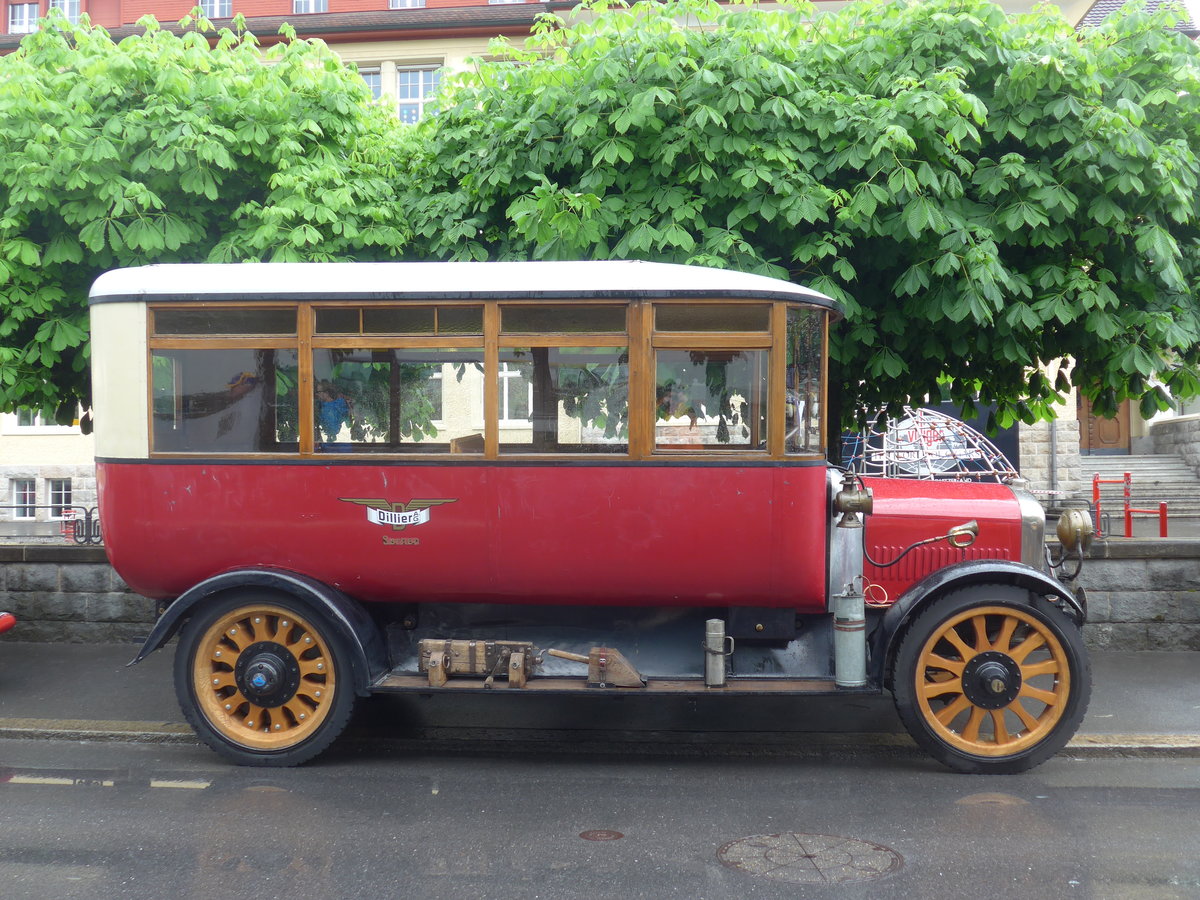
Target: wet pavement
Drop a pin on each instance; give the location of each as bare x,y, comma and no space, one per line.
104,792
1142,703
132,821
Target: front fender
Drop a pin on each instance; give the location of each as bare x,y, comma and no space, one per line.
369,657
952,578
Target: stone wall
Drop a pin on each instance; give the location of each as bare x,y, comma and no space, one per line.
69,593
1142,595
1180,436
1053,477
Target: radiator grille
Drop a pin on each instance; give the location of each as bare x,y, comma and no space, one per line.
921,562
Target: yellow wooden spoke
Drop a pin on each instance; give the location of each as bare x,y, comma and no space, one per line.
1027,718
938,688
963,648
1027,646
999,729
221,679
934,661
971,732
981,639
1004,638
946,715
1046,667
1047,697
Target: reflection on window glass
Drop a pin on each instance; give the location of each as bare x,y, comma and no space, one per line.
417,320
711,398
707,317
413,400
58,491
224,321
805,335
224,401
24,498
415,88
372,79
566,319
564,399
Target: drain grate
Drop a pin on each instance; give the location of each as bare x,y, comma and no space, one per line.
798,858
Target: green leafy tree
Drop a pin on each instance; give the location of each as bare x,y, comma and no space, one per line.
167,148
985,194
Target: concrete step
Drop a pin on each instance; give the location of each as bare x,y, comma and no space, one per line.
1154,479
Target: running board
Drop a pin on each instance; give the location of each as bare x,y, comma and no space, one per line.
553,685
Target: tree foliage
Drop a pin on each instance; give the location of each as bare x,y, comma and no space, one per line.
985,194
167,148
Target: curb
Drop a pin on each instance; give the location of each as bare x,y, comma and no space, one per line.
1087,746
96,730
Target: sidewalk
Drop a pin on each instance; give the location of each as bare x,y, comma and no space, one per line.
1142,704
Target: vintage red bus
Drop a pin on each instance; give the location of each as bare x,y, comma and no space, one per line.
350,478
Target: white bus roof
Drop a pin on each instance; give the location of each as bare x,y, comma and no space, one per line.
440,281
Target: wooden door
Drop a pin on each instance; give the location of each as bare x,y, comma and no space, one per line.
1103,436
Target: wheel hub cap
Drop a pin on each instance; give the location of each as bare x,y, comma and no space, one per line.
267,674
991,680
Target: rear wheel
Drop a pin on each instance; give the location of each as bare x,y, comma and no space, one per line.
263,682
988,680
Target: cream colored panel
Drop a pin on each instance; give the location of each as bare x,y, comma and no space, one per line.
119,390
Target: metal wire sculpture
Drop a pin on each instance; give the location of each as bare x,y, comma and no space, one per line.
926,444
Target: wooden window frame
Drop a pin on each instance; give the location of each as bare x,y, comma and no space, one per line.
641,339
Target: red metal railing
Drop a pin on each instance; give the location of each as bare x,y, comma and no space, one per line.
1127,481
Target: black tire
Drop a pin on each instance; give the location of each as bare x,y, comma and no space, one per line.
263,679
991,680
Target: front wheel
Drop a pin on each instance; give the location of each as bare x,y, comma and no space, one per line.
264,682
989,681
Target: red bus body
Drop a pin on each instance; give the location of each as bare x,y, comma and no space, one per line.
615,534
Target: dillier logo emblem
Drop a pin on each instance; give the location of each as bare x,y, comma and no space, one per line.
398,515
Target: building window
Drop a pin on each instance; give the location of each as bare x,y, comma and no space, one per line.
58,491
22,18
24,497
69,8
406,4
28,421
219,9
516,392
415,87
374,83
310,6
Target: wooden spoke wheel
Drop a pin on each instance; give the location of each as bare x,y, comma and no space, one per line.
263,683
989,682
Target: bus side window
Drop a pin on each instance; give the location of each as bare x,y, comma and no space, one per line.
805,336
710,398
225,400
415,399
564,399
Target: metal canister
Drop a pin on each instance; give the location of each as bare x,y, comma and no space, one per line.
849,638
715,653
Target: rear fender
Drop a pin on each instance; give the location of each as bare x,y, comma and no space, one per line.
343,614
886,636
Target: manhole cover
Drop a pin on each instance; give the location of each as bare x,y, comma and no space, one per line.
601,834
810,858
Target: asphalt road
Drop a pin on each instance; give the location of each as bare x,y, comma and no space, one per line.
129,820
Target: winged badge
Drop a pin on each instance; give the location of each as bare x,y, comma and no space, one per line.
398,515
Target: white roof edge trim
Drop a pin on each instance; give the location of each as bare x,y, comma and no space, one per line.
444,279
